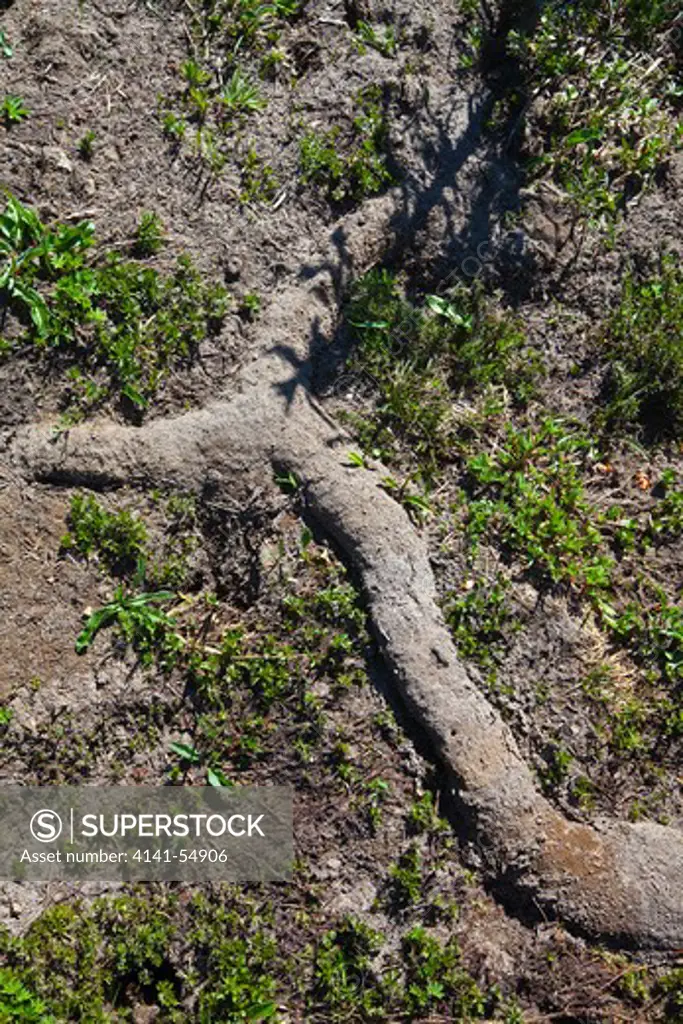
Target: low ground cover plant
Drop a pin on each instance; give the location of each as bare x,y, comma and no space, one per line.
221,87
421,356
597,90
116,328
642,342
351,165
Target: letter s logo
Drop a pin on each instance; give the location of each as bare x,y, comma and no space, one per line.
46,826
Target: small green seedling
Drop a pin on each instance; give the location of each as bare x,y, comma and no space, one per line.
288,483
386,44
448,311
356,460
149,235
86,146
251,305
5,48
13,110
216,778
241,95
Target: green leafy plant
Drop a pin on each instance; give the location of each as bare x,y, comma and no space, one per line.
258,181
435,977
86,145
29,250
149,235
240,95
75,956
139,619
386,43
119,327
558,761
251,305
118,539
6,50
642,341
18,1005
671,987
423,817
375,795
349,169
481,620
194,74
342,967
186,752
405,879
13,110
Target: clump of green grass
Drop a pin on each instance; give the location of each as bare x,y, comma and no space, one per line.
481,621
529,493
601,96
643,342
241,95
420,358
343,968
116,327
349,168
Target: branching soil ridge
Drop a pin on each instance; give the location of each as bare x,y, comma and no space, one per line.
616,881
